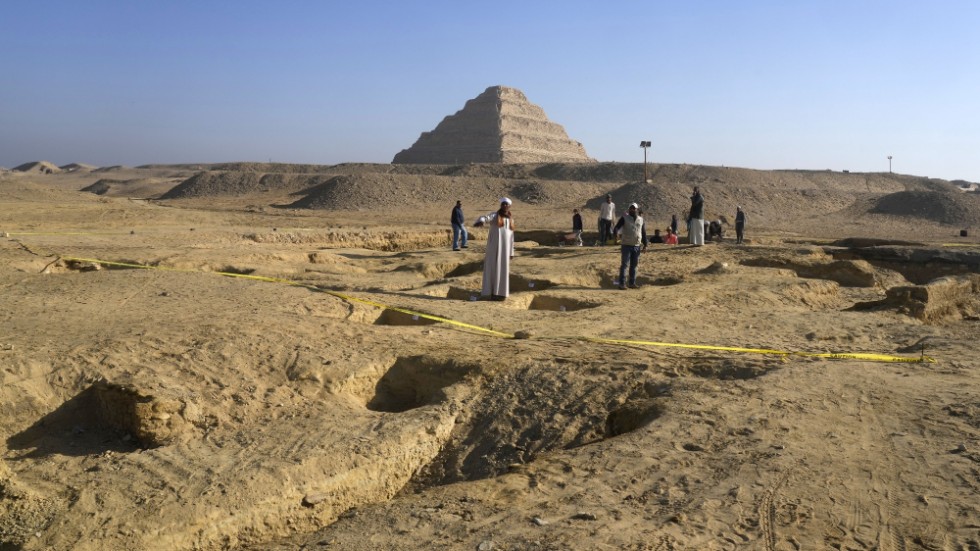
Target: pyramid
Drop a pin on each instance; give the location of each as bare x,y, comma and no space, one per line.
498,126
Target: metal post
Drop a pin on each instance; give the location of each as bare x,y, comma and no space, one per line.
645,144
644,165
889,164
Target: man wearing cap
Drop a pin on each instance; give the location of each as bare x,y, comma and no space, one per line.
606,213
459,227
500,249
633,237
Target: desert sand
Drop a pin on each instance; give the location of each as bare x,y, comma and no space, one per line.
252,356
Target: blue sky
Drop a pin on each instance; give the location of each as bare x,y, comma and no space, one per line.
761,84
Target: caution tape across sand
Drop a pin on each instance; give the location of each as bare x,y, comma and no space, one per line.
862,356
859,356
339,295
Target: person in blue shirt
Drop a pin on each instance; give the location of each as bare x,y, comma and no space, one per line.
459,227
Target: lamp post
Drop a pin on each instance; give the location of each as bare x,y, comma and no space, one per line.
645,145
889,164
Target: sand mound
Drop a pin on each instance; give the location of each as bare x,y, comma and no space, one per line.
364,191
102,186
38,167
782,200
218,184
937,206
136,187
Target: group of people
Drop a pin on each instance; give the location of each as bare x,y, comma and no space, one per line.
697,227
607,232
630,227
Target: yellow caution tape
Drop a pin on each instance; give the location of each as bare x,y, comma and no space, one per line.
312,287
63,233
861,356
829,355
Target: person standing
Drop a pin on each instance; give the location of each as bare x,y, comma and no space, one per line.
739,225
459,227
577,226
673,223
634,236
695,219
500,249
606,213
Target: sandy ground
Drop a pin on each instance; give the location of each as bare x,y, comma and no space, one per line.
247,392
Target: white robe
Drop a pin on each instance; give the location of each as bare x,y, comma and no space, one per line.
496,264
695,231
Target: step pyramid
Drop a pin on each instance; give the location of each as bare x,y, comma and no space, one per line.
498,126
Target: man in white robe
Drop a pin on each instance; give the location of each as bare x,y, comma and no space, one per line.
500,249
695,219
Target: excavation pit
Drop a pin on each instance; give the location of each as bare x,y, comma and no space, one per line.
108,417
414,382
559,304
520,284
396,317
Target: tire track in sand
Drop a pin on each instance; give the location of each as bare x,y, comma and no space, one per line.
767,513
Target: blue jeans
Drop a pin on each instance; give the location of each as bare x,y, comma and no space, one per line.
458,231
605,230
629,255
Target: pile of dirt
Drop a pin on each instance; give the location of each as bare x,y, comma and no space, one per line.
946,207
38,167
219,184
136,187
102,186
374,191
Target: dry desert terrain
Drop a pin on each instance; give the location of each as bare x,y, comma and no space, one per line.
255,356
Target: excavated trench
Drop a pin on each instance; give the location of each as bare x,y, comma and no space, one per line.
550,303
75,265
105,417
546,406
395,317
414,382
918,264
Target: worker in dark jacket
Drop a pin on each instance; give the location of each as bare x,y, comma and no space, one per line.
739,224
459,228
695,219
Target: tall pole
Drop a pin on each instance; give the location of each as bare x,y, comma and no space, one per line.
644,165
645,144
889,164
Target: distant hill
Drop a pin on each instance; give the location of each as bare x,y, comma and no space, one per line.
838,201
38,167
